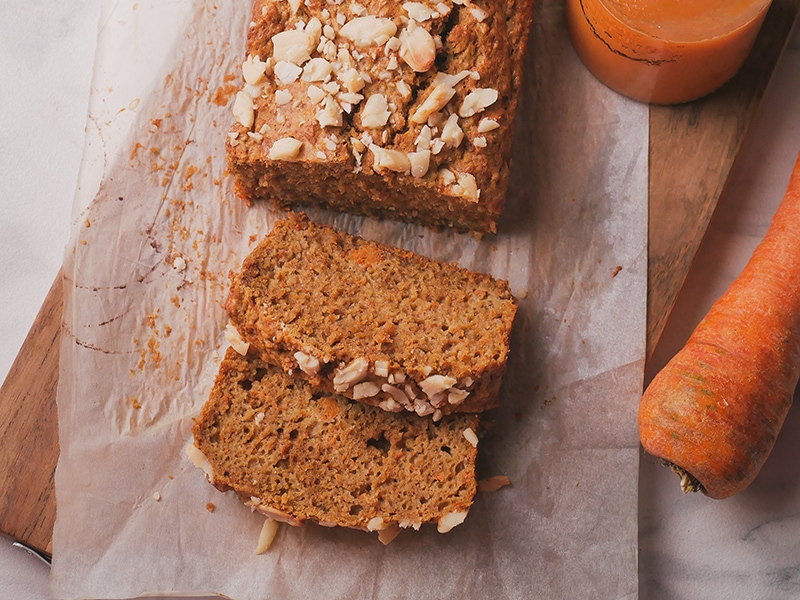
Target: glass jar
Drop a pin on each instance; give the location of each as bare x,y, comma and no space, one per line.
664,51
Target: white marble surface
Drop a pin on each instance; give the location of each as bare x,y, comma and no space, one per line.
690,547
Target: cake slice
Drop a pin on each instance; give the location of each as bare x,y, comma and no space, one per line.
391,109
297,454
377,324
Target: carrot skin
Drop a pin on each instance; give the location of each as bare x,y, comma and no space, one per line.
716,408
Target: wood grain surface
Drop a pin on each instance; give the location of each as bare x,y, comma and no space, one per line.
692,150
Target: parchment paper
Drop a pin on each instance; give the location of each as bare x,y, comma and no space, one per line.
143,338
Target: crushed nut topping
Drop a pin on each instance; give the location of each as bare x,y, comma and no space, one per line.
450,520
476,101
375,112
471,436
418,49
349,375
235,340
368,31
308,364
435,384
287,148
243,110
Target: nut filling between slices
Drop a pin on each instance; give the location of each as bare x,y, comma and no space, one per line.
394,389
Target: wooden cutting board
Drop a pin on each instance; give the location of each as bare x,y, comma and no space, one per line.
692,150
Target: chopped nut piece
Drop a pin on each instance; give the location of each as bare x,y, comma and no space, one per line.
253,70
286,72
368,31
479,142
476,101
467,187
418,49
420,162
200,461
375,112
452,134
450,520
292,46
235,340
316,94
352,80
435,101
287,148
387,534
404,89
381,368
267,534
365,389
331,113
391,160
282,97
396,393
243,110
448,79
471,436
456,396
308,364
434,384
353,373
418,11
375,524
317,69
487,125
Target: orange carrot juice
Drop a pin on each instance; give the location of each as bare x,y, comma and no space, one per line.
664,51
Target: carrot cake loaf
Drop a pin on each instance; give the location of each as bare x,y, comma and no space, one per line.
397,110
374,323
296,454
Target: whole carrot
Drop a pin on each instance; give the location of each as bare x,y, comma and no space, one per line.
714,411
